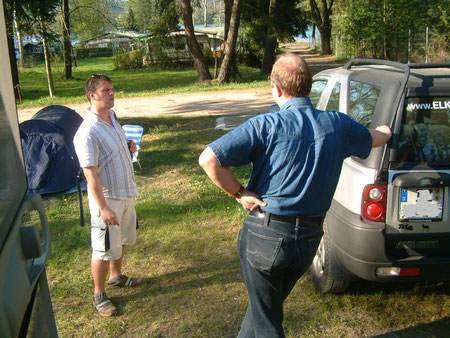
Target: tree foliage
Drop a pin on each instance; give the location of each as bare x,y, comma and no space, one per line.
165,16
207,12
380,28
156,17
131,23
256,21
90,18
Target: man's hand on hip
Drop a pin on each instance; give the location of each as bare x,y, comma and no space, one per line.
250,201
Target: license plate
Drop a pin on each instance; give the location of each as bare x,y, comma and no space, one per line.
421,204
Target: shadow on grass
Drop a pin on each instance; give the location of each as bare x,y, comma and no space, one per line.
219,271
436,329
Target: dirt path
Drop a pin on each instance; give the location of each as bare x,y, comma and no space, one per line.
315,61
244,103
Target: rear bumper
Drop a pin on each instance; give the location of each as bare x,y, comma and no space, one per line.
359,249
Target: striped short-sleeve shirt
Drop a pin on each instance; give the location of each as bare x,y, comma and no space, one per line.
97,143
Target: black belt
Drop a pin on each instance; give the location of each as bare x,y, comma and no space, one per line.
316,221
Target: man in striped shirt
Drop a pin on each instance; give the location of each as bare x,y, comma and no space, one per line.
104,154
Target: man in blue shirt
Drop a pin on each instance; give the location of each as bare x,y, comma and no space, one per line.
296,155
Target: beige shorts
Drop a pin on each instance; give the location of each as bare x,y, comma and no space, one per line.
124,234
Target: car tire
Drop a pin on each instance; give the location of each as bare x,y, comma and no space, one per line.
322,267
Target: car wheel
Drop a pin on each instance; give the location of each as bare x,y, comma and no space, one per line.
321,268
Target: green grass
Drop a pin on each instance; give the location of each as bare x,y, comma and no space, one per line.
186,251
129,83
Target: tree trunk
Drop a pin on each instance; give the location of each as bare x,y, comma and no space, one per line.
19,42
269,53
205,13
10,38
194,47
271,41
67,46
228,8
322,19
232,17
325,37
48,68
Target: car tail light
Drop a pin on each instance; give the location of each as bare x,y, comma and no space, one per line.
409,271
395,271
373,203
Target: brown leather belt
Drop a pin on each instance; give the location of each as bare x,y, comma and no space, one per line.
316,221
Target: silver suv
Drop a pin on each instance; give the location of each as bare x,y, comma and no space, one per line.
389,219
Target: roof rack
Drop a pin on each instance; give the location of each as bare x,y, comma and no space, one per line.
355,62
394,64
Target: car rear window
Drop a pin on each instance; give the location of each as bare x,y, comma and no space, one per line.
425,131
333,101
316,91
362,102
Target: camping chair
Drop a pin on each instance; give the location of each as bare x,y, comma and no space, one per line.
134,132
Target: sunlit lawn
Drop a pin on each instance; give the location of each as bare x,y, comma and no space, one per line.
186,250
129,83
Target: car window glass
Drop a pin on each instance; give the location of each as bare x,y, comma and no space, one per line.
12,174
333,102
363,100
425,131
316,91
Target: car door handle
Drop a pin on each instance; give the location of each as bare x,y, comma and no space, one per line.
31,245
32,248
425,180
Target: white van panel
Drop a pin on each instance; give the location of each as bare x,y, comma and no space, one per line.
351,184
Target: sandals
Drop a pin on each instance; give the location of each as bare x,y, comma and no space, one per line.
104,306
101,301
124,281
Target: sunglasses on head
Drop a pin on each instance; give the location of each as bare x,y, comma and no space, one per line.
98,75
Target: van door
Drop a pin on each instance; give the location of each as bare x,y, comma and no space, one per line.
24,244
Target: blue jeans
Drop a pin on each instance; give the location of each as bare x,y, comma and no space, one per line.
273,255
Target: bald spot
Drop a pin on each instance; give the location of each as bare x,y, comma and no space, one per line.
289,62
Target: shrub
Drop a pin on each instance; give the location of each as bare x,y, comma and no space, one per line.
168,59
250,58
207,52
93,52
130,60
33,57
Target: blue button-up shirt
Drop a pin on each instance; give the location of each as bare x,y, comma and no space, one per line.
296,155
